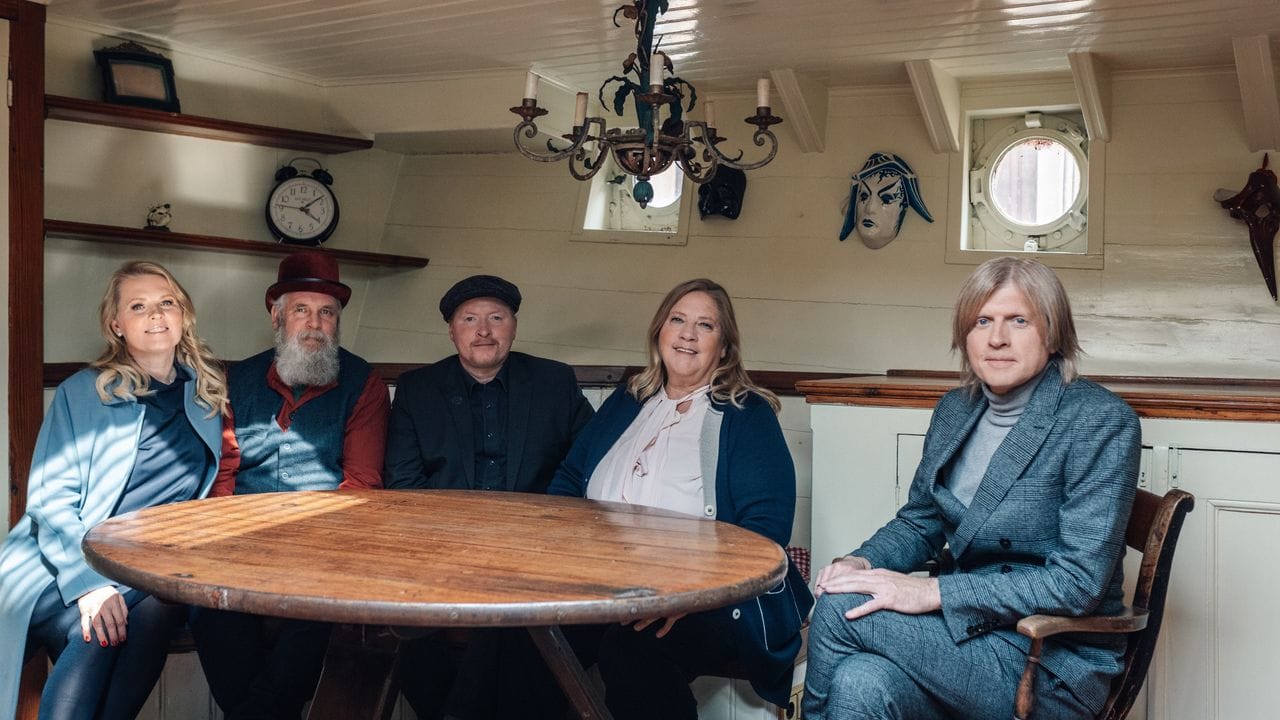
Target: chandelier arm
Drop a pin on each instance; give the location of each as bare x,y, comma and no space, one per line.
761,136
696,171
602,148
530,130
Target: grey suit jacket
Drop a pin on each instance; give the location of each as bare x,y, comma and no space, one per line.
1043,534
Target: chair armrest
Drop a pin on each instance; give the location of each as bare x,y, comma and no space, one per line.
1042,626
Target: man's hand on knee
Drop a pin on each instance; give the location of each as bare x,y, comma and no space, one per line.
889,590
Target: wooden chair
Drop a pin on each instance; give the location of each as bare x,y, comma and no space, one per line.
1153,530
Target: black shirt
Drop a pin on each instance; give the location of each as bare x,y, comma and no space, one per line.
489,429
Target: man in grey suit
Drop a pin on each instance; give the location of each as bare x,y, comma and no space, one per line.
1028,474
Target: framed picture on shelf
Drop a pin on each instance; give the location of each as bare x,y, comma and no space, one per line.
134,75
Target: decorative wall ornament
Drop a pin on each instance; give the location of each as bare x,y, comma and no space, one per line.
159,217
1258,205
878,201
652,146
722,194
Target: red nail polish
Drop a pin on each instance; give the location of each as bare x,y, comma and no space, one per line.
104,643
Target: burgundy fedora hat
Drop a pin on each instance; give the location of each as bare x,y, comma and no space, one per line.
308,272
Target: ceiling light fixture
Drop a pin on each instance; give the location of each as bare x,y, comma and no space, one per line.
644,151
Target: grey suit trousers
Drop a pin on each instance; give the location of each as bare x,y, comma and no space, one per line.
892,666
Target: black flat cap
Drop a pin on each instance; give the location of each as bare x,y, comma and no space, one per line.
478,286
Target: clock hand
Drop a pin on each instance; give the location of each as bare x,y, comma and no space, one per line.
314,200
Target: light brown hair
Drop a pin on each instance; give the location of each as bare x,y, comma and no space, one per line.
729,382
122,375
1042,289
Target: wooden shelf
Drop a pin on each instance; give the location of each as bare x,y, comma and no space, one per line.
1256,400
59,107
139,236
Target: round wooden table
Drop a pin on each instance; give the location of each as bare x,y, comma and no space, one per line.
433,558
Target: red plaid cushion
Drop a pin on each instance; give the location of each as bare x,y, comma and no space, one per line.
800,556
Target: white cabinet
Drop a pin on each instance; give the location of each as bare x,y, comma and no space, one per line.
1217,658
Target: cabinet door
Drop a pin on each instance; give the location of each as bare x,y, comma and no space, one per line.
1218,658
910,450
863,461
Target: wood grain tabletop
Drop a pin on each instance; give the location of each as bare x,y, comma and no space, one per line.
441,558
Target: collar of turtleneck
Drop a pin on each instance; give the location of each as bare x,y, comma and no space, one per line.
1004,410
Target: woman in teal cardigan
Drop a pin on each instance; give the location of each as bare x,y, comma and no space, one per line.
141,427
693,434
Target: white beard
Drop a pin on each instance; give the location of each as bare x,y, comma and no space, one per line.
296,365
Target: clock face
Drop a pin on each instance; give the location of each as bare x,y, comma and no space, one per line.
302,210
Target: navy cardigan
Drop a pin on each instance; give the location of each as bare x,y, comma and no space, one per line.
756,490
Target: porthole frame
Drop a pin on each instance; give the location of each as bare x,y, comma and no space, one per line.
1061,234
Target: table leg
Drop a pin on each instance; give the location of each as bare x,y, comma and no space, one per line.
361,676
568,671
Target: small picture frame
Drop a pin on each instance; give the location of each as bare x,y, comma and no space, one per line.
134,75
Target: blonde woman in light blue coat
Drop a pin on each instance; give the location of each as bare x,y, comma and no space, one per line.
141,427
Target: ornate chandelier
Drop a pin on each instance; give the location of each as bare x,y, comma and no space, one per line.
650,148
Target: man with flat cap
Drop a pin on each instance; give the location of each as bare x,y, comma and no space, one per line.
305,415
485,418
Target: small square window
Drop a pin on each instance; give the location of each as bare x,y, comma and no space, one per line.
609,212
1028,181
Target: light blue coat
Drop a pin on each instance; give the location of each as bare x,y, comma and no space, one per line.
82,461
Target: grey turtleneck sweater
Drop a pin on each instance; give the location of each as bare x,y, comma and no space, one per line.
1002,413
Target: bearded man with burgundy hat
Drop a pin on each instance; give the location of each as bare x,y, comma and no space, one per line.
305,415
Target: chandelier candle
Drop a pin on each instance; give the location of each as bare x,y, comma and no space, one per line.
762,93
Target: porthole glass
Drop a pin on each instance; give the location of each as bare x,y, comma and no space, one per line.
1035,182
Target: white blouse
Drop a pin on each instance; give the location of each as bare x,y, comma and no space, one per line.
658,460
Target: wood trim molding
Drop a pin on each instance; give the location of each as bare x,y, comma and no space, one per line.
1163,397
1255,400
938,94
780,382
9,9
26,246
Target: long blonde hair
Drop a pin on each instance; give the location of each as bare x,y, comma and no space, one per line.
122,376
1042,289
729,382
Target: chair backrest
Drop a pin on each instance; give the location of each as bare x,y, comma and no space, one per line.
1154,525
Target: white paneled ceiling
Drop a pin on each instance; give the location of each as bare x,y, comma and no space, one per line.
720,45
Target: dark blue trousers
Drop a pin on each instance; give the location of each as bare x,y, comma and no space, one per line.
259,668
498,675
89,681
648,677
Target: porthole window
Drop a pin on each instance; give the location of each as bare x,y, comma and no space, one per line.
1026,189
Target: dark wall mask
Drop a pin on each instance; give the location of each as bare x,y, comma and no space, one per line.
722,194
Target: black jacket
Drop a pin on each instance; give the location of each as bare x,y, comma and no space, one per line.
429,443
